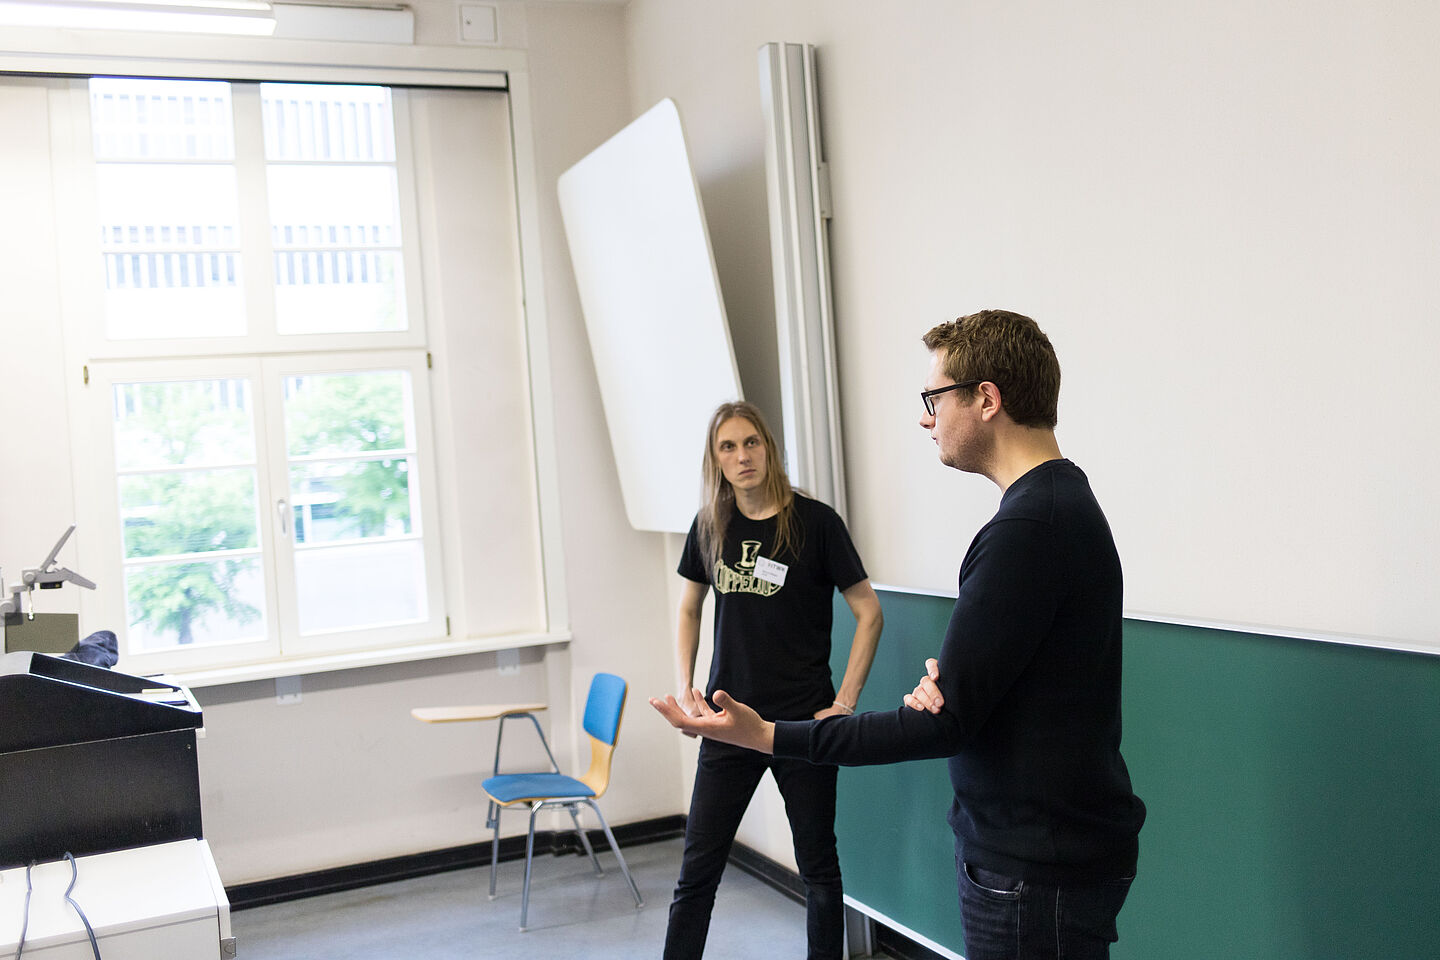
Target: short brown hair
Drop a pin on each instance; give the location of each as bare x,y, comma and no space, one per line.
1009,350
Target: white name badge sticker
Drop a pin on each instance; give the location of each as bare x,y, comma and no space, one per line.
770,571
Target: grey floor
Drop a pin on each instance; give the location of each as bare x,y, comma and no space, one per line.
573,913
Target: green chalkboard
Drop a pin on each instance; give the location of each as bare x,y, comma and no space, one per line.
1293,789
897,854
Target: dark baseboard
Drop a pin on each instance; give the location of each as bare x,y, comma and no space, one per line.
628,835
895,944
776,875
887,940
557,843
562,843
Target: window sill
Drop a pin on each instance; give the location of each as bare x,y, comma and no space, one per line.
324,663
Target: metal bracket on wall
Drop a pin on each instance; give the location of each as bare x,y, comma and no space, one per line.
798,186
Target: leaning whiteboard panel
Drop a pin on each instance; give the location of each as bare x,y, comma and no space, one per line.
653,311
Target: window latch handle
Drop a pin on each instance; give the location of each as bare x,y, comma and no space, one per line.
282,511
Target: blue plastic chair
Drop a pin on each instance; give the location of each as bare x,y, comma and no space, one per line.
603,708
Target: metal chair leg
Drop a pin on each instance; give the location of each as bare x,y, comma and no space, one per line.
493,820
573,808
529,860
610,837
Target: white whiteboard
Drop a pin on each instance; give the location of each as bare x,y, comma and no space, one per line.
1237,257
653,311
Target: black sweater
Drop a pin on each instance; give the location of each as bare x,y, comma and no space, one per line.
1030,673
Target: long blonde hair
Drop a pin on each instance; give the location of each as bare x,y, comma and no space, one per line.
718,497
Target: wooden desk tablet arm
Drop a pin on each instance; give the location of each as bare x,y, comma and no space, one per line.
491,711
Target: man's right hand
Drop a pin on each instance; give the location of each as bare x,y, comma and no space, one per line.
686,699
926,695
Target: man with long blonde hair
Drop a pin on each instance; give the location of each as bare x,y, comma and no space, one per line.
774,558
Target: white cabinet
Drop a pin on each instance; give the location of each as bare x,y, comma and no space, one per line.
161,902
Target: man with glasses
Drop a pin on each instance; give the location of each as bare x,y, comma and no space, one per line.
1024,698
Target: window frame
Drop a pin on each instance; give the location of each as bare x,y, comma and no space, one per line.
283,639
109,606
79,205
271,356
426,500
59,54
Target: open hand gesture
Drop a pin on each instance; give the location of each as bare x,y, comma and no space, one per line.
733,722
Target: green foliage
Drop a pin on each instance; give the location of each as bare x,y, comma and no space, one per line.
346,414
176,513
185,423
172,599
185,513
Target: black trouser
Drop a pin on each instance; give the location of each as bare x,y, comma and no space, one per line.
724,782
1005,918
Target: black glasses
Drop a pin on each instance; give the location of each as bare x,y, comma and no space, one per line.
927,397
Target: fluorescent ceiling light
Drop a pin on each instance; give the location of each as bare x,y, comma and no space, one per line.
253,17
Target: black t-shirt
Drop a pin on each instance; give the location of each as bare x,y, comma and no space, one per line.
772,641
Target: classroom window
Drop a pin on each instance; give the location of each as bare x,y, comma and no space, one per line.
243,535
269,415
355,515
271,506
176,162
168,208
334,208
189,512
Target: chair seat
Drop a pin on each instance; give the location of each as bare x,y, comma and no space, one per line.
514,787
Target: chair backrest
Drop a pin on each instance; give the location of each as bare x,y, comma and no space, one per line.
603,709
604,706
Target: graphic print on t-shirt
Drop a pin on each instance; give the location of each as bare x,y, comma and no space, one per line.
741,577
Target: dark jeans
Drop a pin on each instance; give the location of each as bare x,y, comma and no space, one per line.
724,782
1007,919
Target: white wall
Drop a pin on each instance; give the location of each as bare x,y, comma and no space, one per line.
346,776
615,576
35,476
